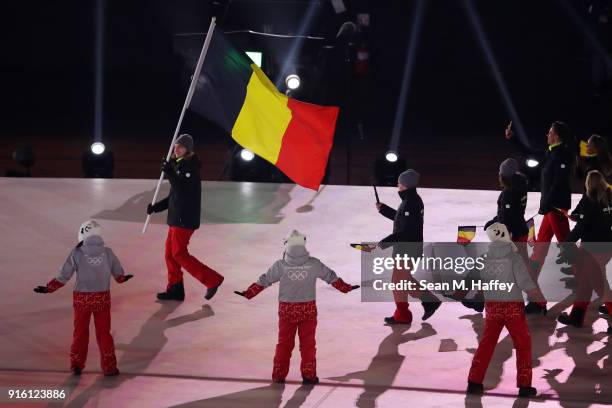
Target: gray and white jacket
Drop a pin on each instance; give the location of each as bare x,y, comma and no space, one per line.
506,266
297,273
94,264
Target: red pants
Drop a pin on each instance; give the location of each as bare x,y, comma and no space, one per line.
553,223
292,318
85,304
177,257
512,316
591,276
402,313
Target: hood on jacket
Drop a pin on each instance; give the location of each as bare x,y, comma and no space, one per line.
296,255
93,245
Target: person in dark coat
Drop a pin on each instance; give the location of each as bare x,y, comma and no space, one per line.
555,197
183,205
407,238
511,205
594,229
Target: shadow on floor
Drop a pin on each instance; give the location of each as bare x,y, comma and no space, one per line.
142,350
385,365
222,203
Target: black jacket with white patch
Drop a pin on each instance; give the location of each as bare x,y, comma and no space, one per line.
407,223
183,202
511,207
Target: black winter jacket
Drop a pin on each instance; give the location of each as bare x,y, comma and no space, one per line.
407,224
183,202
554,176
593,223
511,207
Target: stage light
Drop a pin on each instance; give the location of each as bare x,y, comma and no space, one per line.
292,81
409,64
531,163
487,50
98,148
246,155
391,156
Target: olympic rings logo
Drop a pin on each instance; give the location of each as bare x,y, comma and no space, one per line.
297,275
95,260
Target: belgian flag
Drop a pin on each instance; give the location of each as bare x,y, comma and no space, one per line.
235,94
465,234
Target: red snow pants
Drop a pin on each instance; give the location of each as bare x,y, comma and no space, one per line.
85,305
177,257
555,224
301,318
591,276
512,316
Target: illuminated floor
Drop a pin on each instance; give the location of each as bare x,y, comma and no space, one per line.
219,354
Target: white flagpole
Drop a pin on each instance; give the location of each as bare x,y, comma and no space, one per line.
194,81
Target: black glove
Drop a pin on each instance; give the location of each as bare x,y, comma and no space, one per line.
568,254
41,289
165,166
150,209
127,277
239,293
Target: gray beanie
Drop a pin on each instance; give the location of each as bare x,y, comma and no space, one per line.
508,167
186,141
409,178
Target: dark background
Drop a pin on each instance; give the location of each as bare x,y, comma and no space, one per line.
453,121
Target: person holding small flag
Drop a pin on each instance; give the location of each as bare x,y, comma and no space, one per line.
407,236
183,205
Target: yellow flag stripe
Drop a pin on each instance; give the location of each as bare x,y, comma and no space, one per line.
263,119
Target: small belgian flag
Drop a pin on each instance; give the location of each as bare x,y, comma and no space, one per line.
465,234
531,233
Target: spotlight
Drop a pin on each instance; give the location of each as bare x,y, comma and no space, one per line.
531,162
98,148
388,168
246,155
292,81
391,156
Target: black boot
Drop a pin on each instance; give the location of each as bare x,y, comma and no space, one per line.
575,318
474,388
476,303
527,392
534,308
567,270
76,370
113,373
210,292
176,292
603,309
430,305
310,380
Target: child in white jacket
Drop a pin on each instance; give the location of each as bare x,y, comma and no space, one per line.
297,273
